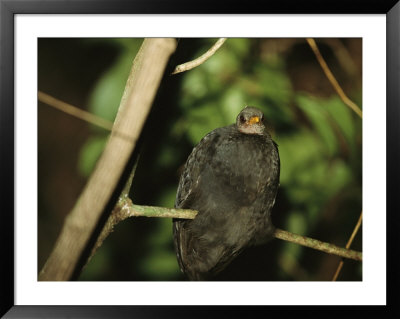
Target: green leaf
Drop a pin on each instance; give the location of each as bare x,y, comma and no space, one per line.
296,223
342,115
160,265
232,102
239,46
274,82
90,153
106,96
318,116
296,151
204,119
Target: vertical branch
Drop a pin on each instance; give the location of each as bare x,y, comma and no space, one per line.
351,105
72,244
118,214
349,242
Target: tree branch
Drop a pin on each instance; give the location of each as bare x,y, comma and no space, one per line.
332,78
317,244
125,208
349,242
194,63
80,229
74,111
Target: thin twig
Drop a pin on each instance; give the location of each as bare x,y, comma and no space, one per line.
194,63
317,244
349,242
74,111
125,209
128,185
332,78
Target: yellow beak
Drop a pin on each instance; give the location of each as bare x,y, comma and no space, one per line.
254,119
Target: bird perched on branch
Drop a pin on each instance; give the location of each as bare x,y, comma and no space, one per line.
231,178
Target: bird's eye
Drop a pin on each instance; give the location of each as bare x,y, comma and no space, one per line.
242,119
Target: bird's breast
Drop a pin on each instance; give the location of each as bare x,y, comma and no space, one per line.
240,169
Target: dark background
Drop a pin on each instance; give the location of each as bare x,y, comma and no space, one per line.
319,140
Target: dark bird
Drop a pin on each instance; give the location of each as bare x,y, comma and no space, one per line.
231,178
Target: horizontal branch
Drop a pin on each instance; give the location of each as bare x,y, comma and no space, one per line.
153,211
125,209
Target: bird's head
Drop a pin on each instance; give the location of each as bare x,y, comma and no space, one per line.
250,121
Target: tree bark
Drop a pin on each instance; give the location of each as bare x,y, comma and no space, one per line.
71,248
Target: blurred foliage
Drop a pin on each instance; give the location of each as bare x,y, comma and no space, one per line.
319,138
105,97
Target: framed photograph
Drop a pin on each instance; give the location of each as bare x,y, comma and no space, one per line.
200,121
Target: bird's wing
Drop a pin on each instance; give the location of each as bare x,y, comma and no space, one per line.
195,164
187,190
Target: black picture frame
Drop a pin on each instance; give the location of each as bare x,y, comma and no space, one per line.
8,10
